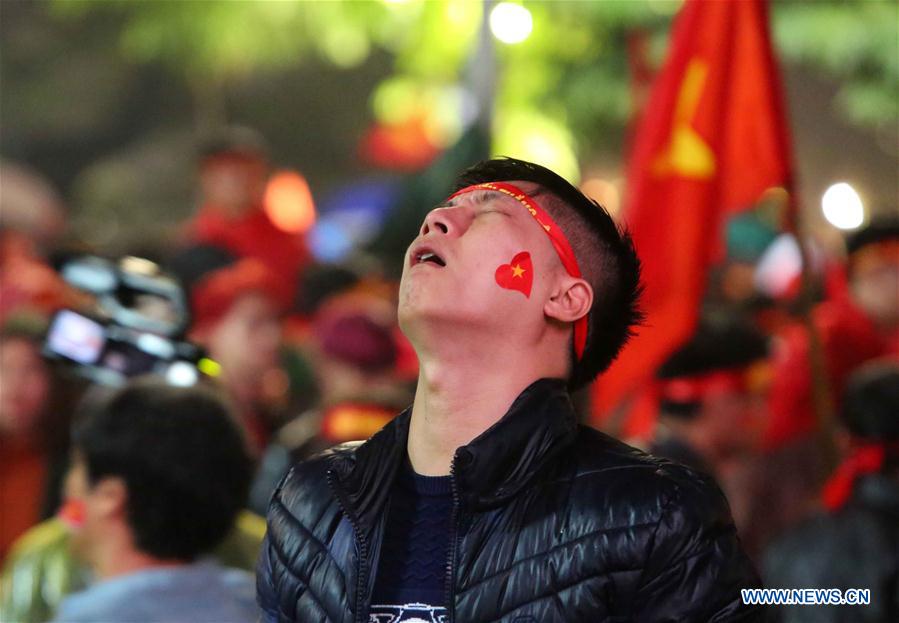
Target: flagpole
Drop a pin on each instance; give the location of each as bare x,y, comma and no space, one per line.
822,397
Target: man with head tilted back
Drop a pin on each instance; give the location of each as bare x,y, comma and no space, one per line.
486,500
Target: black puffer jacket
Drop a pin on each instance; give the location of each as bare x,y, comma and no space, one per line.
553,522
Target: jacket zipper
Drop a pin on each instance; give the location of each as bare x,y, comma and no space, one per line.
453,543
361,574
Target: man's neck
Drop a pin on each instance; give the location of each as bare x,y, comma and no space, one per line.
110,564
457,400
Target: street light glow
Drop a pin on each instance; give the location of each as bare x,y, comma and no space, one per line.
510,22
843,207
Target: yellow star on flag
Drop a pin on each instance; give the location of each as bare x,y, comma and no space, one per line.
687,154
517,270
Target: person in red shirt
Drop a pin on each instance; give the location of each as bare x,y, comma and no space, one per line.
233,171
857,325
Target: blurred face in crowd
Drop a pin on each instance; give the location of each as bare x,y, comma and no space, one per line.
732,419
246,339
25,385
467,269
875,284
233,184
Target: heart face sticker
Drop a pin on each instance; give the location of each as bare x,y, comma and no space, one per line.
517,274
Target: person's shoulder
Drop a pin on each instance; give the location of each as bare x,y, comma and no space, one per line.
610,472
600,457
311,475
809,539
42,554
820,542
199,592
305,491
76,608
597,451
236,583
98,602
48,537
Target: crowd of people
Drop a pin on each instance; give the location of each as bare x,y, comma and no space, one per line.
149,498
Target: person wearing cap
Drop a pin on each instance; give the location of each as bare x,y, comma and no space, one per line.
233,172
712,395
355,357
237,317
486,500
852,543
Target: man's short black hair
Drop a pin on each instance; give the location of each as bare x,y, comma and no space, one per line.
182,457
605,254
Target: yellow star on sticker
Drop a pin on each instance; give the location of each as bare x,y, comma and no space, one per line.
517,270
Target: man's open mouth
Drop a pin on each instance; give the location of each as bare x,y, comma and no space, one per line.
426,255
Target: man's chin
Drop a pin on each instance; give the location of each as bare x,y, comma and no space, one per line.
410,318
420,318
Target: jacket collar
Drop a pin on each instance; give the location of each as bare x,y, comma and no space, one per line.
489,470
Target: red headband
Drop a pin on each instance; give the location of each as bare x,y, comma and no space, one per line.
556,236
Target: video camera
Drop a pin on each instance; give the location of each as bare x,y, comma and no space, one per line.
137,328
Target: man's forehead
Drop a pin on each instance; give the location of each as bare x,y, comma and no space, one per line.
484,195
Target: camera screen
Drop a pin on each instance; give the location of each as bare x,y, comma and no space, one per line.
128,360
76,337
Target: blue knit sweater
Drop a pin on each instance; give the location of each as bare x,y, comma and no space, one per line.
411,580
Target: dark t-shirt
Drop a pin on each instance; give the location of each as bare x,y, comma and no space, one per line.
411,580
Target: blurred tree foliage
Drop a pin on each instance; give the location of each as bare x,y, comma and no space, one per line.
855,43
570,75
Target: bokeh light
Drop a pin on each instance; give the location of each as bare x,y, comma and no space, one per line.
843,207
529,135
288,202
605,192
511,23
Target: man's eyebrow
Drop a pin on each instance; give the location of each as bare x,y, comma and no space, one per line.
476,196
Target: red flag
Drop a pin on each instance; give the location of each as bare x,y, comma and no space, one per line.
712,138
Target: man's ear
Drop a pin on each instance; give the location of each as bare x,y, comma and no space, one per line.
572,300
110,496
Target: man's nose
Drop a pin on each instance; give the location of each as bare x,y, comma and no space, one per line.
441,220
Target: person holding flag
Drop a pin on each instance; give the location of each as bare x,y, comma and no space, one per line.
486,500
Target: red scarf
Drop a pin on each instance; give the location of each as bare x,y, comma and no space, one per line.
866,458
